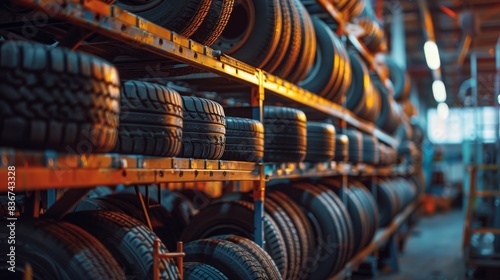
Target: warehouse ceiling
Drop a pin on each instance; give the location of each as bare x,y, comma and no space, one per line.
450,30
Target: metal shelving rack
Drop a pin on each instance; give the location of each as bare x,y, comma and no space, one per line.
50,170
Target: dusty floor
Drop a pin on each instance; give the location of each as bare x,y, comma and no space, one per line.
433,251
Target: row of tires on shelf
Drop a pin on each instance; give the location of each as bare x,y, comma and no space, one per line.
302,47
311,231
53,98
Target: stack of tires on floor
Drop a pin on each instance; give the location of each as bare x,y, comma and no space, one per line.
55,99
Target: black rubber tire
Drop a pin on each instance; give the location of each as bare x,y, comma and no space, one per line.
355,145
356,97
150,120
285,227
320,142
54,98
96,203
346,240
356,211
400,80
182,17
341,148
324,222
201,271
300,222
179,206
284,41
290,237
285,136
204,129
371,153
307,46
323,75
236,217
99,191
214,23
56,250
370,205
293,50
385,203
129,241
244,140
261,256
258,41
225,256
166,224
198,198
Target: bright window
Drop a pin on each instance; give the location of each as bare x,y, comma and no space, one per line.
462,124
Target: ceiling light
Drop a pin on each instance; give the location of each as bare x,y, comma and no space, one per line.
439,91
443,110
431,52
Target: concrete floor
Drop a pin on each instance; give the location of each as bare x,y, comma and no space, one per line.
433,250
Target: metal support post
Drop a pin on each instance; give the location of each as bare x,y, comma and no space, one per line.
468,213
392,253
259,193
259,190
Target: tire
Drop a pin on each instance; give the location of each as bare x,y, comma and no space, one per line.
369,203
150,120
226,257
289,233
356,96
355,146
97,203
244,140
356,211
214,23
258,42
293,50
257,252
201,271
182,17
320,142
371,153
346,240
285,135
198,198
300,222
400,80
129,241
166,224
99,191
284,41
68,252
204,129
323,75
307,46
54,98
285,227
236,218
323,219
389,119
385,203
341,148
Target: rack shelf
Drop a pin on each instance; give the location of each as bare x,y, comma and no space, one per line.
37,170
135,31
44,170
379,239
328,169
